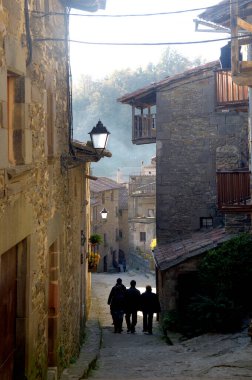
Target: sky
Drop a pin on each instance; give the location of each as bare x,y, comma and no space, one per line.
100,61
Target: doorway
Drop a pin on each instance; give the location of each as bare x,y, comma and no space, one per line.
105,263
53,305
13,270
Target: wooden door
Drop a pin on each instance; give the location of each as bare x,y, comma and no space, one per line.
8,307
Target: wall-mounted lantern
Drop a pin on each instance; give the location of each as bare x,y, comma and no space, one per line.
104,214
99,136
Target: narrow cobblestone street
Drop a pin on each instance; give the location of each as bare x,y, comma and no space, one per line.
139,356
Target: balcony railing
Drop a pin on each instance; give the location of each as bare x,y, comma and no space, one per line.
144,129
233,190
143,186
228,93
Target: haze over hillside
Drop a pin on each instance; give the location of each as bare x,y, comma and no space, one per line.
97,100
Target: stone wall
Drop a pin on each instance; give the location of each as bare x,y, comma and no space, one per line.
41,202
193,141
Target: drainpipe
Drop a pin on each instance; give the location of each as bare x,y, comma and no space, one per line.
250,148
250,117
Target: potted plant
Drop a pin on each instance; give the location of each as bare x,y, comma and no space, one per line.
93,261
95,239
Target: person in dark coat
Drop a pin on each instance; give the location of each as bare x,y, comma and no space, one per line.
149,305
132,305
116,300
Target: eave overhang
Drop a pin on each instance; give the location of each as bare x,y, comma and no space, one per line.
82,153
217,17
142,98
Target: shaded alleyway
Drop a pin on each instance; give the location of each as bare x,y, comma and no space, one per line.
139,356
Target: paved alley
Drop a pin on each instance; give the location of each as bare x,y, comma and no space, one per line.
139,356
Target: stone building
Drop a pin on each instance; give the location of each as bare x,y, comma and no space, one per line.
109,195
198,120
142,216
44,194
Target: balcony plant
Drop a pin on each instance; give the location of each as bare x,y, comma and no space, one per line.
95,239
94,256
93,261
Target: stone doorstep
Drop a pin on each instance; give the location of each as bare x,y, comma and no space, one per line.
88,354
52,373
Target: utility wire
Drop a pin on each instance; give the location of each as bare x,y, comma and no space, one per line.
139,43
43,14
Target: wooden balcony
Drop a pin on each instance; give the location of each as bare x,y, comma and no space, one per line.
228,94
144,129
233,191
240,24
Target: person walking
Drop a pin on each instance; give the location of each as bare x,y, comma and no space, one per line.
149,304
132,305
116,300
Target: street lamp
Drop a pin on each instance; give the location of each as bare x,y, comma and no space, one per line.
104,214
99,136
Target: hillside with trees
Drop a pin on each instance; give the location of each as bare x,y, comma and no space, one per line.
95,100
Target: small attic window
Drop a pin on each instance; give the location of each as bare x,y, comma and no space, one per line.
206,222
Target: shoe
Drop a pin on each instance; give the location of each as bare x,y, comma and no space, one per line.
128,331
148,333
144,331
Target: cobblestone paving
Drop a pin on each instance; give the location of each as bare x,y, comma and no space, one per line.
139,356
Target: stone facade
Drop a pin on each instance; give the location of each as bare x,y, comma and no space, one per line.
105,193
193,141
195,138
43,208
142,216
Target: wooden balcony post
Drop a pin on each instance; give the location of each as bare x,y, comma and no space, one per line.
133,123
234,11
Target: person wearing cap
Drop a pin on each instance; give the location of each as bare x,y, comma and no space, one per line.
116,300
132,305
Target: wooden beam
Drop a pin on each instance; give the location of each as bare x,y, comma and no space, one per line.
234,39
244,24
243,79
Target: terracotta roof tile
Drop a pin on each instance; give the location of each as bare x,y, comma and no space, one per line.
169,255
103,184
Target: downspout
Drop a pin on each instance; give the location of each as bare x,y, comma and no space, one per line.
28,33
249,58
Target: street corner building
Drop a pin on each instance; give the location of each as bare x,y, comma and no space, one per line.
44,194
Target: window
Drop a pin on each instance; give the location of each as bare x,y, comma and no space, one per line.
151,213
112,196
16,118
143,236
103,198
120,234
206,222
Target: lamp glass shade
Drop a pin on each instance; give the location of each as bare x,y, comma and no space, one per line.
104,214
100,140
99,136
